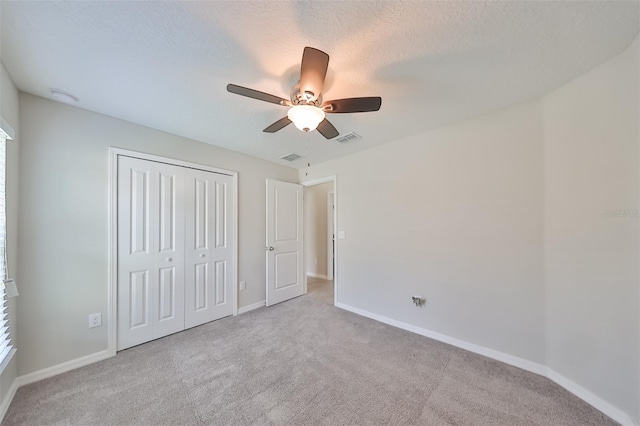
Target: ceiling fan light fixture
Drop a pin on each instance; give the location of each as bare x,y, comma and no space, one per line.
306,107
306,117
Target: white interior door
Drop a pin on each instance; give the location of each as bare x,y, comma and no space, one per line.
210,273
285,243
150,250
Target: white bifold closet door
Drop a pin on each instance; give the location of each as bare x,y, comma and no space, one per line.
175,249
151,231
209,243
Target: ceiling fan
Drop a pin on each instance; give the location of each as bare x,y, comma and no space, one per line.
306,108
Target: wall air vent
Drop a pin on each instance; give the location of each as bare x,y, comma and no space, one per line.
349,137
291,157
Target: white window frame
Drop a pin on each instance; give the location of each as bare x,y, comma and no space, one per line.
6,348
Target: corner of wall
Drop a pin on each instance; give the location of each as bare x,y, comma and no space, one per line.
591,166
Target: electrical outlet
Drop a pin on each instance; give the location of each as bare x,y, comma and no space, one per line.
243,285
417,300
95,320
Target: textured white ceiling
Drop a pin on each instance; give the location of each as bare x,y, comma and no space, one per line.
166,64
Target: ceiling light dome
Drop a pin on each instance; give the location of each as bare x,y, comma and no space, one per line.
62,96
306,117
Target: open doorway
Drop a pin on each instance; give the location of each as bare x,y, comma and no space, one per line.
319,245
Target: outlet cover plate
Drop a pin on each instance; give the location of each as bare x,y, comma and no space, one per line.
95,320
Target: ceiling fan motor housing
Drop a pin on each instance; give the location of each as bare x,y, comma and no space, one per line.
306,98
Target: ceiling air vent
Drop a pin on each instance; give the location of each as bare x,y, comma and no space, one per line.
291,157
349,137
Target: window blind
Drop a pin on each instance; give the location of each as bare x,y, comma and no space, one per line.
5,338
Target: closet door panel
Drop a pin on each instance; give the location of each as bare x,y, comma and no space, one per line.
222,251
198,274
208,282
136,271
169,249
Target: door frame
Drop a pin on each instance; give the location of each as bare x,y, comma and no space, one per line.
112,274
331,201
327,179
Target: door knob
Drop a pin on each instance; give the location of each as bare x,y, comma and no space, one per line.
202,255
271,249
169,259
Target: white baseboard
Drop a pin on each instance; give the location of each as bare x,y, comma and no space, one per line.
251,307
49,372
4,407
609,409
62,368
534,367
314,275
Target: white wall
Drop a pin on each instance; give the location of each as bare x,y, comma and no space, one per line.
591,259
64,216
500,223
9,112
315,227
454,215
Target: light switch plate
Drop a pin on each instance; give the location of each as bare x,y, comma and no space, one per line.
341,235
243,285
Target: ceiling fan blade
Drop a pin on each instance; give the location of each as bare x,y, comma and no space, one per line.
312,72
283,122
353,105
261,96
327,130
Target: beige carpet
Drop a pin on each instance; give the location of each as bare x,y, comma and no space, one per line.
300,362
